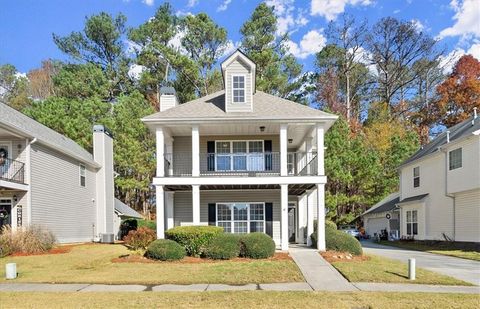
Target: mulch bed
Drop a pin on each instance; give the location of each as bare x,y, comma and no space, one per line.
56,250
133,258
335,256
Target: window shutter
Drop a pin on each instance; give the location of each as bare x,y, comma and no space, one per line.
269,219
267,144
211,214
211,155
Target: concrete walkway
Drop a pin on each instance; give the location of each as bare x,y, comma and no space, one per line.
462,269
317,272
293,286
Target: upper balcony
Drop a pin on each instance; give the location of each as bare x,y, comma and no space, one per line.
254,164
12,170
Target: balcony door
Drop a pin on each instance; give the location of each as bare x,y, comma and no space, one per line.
241,156
5,154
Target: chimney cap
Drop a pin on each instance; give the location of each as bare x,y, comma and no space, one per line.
167,90
103,129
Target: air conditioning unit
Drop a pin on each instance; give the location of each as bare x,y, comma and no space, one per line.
107,238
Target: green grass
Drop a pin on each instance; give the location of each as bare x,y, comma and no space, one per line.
470,251
92,264
249,299
379,269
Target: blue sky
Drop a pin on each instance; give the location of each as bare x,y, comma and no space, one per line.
26,26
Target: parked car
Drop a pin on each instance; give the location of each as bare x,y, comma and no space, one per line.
351,230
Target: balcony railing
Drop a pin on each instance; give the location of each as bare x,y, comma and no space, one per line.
241,164
12,170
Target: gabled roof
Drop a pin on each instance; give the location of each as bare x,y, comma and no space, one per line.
125,210
387,204
265,106
24,125
458,131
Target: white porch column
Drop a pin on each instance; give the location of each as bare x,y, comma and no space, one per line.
283,150
160,211
196,204
195,151
320,149
309,153
160,137
321,217
310,204
169,152
301,222
169,211
284,217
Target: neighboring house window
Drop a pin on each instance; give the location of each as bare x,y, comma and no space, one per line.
455,159
416,177
412,222
238,89
241,218
240,156
83,175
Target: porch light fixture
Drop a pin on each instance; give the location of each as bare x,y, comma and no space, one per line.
262,129
290,140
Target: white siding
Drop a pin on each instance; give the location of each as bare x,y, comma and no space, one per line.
238,68
182,211
58,201
467,216
466,177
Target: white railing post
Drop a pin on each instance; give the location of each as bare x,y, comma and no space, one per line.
195,151
160,144
283,150
320,149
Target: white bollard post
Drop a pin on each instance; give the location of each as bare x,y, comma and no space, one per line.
411,269
10,270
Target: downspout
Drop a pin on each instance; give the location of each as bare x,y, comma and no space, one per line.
446,184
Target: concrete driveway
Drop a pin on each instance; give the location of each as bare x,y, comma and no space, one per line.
466,270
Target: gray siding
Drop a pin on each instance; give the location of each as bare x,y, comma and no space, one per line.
183,204
58,201
238,68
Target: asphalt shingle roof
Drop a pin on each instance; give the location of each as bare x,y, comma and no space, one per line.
460,130
125,210
264,106
413,198
387,204
17,121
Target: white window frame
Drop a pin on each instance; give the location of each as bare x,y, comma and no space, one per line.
415,177
82,168
244,89
450,154
232,154
232,218
411,221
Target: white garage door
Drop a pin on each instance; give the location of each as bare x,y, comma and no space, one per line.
375,225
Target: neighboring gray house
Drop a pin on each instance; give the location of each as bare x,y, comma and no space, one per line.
47,179
241,159
123,212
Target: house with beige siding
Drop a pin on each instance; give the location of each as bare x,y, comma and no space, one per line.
47,179
241,159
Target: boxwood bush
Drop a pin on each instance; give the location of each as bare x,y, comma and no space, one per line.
338,241
257,246
223,247
165,250
193,238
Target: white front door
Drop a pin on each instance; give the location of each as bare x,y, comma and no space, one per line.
5,212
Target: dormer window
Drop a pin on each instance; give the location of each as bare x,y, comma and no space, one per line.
238,89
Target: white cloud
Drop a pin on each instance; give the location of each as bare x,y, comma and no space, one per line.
474,50
231,47
224,6
418,25
135,71
149,2
192,3
330,9
289,18
447,62
180,13
176,42
466,19
311,43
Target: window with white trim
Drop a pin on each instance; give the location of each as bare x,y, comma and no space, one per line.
412,222
83,175
239,155
416,177
238,88
241,218
455,159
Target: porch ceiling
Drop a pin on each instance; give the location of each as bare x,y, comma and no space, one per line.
295,189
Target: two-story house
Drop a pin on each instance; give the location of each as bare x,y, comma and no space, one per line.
47,179
440,186
240,159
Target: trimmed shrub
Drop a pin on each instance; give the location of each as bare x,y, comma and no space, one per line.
165,250
193,238
223,247
31,239
139,239
338,241
257,246
126,226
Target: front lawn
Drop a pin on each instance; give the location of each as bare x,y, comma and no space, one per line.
92,263
379,269
470,251
248,299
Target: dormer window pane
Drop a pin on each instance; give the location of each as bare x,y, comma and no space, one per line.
238,89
